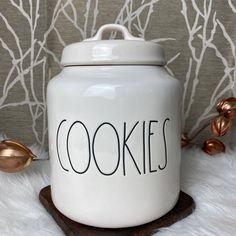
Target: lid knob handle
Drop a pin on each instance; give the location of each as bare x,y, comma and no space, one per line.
113,27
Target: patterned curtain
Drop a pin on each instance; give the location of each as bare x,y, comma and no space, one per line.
199,38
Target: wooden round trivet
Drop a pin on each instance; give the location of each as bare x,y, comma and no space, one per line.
183,208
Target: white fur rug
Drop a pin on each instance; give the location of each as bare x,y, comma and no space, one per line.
210,181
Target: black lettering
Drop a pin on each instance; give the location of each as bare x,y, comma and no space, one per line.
118,142
58,155
67,145
144,164
150,133
164,138
127,147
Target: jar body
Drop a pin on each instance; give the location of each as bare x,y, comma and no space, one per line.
114,143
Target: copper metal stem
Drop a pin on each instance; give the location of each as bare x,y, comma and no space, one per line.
40,159
203,127
207,124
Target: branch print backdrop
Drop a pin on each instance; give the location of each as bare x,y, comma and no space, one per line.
199,38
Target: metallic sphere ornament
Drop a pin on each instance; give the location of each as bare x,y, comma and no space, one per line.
231,114
184,140
220,126
14,156
213,147
227,107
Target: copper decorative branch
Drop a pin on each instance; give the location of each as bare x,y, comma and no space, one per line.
219,124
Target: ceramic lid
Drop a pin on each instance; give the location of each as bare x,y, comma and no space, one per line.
130,50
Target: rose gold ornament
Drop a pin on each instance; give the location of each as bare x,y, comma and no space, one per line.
220,125
213,147
14,156
228,107
231,114
184,140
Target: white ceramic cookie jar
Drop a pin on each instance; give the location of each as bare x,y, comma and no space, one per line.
114,132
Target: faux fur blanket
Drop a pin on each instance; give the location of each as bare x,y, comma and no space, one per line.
210,181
